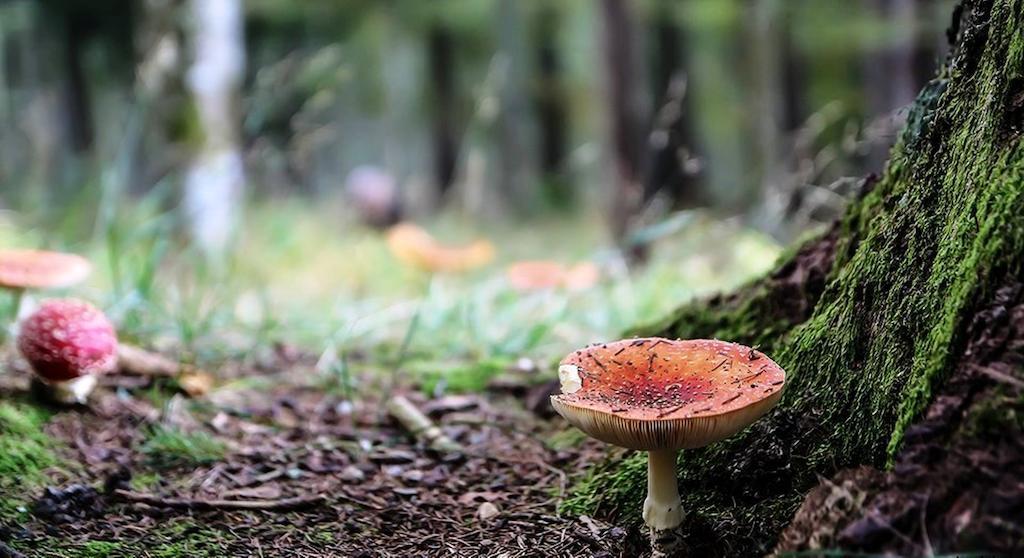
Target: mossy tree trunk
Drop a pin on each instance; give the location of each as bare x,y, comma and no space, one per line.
870,318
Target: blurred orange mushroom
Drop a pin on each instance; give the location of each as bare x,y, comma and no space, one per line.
535,275
417,248
581,276
545,274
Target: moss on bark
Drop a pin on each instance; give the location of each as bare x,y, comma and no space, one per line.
869,318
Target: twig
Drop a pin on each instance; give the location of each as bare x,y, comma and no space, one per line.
140,362
419,425
194,504
999,376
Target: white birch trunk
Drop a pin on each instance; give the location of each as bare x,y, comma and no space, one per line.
215,180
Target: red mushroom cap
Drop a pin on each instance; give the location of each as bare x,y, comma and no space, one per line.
67,338
39,269
657,393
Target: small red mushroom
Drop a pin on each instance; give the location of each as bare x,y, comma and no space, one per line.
67,343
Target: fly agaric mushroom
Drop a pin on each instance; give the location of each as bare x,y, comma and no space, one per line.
39,269
417,248
662,396
67,343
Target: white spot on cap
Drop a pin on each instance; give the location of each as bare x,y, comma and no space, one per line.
569,378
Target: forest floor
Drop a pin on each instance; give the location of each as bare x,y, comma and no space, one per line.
290,451
336,479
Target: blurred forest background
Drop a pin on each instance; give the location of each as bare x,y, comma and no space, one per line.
494,107
141,131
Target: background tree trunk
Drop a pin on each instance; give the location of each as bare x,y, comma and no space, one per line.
552,112
626,126
674,168
441,65
215,181
873,317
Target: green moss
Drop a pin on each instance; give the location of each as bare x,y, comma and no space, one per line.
167,447
25,453
187,540
912,259
99,549
143,482
178,538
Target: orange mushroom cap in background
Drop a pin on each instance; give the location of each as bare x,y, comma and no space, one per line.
40,269
545,274
581,276
535,275
656,394
417,248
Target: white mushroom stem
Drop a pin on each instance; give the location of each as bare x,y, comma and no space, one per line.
74,391
662,509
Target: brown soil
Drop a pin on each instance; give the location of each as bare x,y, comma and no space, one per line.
384,494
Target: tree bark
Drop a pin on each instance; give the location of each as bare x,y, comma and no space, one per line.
625,130
870,319
552,112
215,180
674,167
441,63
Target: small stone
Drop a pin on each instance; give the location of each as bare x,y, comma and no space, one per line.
352,474
486,511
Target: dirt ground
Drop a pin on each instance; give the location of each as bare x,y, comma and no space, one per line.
342,479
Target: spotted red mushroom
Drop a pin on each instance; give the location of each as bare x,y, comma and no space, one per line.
661,396
67,343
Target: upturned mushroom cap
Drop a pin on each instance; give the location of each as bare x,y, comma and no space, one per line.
417,248
657,394
535,275
39,269
66,339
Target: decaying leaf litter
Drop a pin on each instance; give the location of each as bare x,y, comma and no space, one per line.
292,471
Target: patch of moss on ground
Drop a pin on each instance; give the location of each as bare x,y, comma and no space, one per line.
168,447
180,538
189,540
25,453
565,439
142,482
936,235
99,549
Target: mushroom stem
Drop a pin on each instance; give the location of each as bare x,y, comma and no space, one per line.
662,508
76,390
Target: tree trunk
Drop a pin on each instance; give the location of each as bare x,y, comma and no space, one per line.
517,176
626,137
215,181
552,112
441,63
873,321
889,70
674,166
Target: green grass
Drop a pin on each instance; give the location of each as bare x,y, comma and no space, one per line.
167,447
298,277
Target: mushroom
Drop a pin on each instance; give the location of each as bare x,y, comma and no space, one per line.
67,343
541,275
416,247
39,269
535,275
662,396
